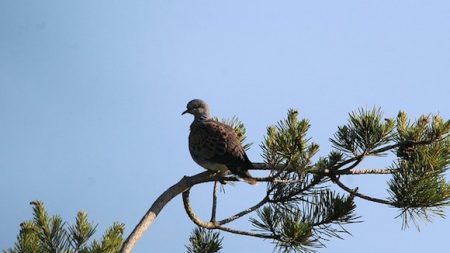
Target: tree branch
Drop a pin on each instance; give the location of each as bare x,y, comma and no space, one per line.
214,203
360,195
357,161
244,212
181,186
264,166
314,182
215,225
206,176
389,147
366,172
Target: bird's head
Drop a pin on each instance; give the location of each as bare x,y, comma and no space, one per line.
198,108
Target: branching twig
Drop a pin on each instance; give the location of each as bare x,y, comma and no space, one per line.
360,195
366,172
356,162
263,166
390,147
314,182
214,225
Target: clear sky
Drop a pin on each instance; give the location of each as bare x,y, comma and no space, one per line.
91,94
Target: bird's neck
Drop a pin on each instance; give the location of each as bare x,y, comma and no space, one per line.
201,117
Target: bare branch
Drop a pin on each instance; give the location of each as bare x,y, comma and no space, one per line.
264,166
214,203
182,185
190,212
294,193
215,225
366,172
247,233
360,195
244,212
357,161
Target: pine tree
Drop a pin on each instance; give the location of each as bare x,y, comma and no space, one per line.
204,241
45,234
301,210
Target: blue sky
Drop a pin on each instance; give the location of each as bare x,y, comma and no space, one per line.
91,94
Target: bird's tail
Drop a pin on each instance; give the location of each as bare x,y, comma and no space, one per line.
245,175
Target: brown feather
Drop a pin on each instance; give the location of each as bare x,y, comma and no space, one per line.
215,145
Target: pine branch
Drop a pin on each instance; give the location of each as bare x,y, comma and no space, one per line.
294,183
204,241
181,186
244,212
49,234
81,232
418,186
361,171
303,226
360,195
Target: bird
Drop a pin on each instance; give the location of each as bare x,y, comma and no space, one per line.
215,146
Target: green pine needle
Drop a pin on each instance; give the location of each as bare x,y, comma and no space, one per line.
204,241
365,131
45,234
418,186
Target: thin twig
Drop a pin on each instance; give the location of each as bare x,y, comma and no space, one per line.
263,166
389,147
366,172
191,214
214,203
215,225
247,233
360,195
357,161
244,212
313,182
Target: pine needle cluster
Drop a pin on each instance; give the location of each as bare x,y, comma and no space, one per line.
45,234
418,186
204,241
302,213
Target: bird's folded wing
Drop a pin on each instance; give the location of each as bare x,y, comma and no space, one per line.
217,143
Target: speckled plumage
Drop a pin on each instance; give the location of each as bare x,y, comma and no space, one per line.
215,146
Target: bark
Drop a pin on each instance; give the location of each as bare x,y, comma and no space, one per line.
184,184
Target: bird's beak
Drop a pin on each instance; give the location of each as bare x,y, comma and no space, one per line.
185,112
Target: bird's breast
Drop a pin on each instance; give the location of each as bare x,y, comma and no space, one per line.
209,165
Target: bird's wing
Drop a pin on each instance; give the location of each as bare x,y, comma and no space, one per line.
217,143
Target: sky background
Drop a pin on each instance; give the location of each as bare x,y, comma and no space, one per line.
91,94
